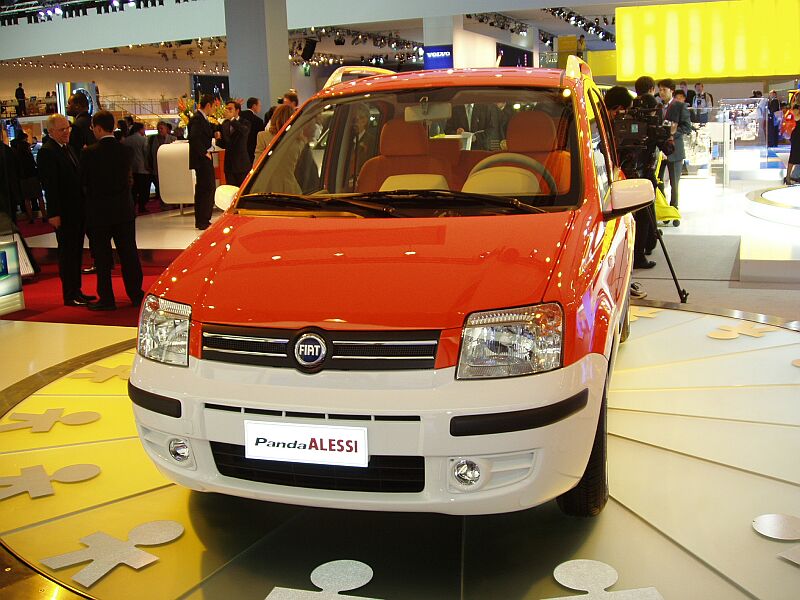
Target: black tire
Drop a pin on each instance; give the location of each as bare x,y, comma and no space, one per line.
676,223
589,497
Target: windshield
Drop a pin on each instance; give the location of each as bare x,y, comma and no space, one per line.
490,150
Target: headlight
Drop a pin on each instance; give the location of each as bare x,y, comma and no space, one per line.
164,331
516,341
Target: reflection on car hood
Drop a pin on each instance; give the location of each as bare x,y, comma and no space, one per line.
364,273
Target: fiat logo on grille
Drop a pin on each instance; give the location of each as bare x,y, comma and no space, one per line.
310,350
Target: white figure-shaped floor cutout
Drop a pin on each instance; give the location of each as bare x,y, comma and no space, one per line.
38,483
101,374
107,552
44,422
596,577
332,577
785,528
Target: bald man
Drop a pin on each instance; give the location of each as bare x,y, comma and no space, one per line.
58,170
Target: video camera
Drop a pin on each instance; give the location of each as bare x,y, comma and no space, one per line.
639,133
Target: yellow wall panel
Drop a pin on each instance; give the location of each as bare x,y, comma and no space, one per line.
603,63
733,39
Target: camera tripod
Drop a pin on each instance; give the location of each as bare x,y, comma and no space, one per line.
651,213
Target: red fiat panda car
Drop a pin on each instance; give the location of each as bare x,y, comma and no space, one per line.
412,304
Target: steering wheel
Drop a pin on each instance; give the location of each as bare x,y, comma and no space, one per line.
518,159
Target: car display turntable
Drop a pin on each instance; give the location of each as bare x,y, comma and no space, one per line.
704,435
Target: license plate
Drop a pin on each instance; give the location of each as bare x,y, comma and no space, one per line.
316,444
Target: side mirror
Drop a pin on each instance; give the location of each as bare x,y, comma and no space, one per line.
629,195
224,196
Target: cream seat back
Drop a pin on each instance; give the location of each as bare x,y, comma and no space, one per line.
175,179
504,181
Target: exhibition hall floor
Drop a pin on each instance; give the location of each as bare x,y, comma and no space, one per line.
704,424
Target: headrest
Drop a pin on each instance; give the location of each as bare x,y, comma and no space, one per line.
531,131
415,181
448,149
399,138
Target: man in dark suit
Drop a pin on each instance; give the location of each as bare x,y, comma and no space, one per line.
365,136
58,171
106,176
677,113
479,119
81,134
10,180
233,136
773,131
200,134
19,94
690,94
250,116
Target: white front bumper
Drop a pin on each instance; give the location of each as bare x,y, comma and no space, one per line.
519,469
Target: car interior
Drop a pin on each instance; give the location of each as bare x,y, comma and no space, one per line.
500,141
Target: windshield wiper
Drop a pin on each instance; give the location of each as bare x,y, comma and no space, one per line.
455,195
292,199
326,202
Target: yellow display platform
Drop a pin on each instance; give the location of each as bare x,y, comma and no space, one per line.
704,434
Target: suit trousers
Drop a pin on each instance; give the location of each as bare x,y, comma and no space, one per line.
124,236
141,190
237,179
645,238
70,255
204,193
674,168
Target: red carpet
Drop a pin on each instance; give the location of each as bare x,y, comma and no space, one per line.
29,230
44,303
43,299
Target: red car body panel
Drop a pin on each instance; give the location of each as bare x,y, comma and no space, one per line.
389,274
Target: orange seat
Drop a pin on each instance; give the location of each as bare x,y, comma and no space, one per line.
403,151
448,149
533,134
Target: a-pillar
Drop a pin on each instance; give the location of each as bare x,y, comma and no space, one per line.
258,49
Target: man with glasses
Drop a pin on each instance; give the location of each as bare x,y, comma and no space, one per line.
58,170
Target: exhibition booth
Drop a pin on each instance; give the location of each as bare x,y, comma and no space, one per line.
412,355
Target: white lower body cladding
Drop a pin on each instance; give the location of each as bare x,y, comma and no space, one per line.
519,469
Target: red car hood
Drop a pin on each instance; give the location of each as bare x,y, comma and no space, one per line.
364,273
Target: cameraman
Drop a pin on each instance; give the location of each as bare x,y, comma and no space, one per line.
674,112
618,101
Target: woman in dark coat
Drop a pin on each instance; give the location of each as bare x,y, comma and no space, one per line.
794,153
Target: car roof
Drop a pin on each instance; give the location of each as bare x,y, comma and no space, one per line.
494,77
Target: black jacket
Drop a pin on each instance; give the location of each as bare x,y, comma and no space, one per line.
105,173
10,191
678,113
484,124
62,187
256,124
27,164
200,134
235,136
81,134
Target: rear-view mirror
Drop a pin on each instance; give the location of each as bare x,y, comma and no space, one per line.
224,196
428,111
629,195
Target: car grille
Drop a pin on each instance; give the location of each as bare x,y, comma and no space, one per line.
346,350
387,474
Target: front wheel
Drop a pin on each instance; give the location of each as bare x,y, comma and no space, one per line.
589,497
